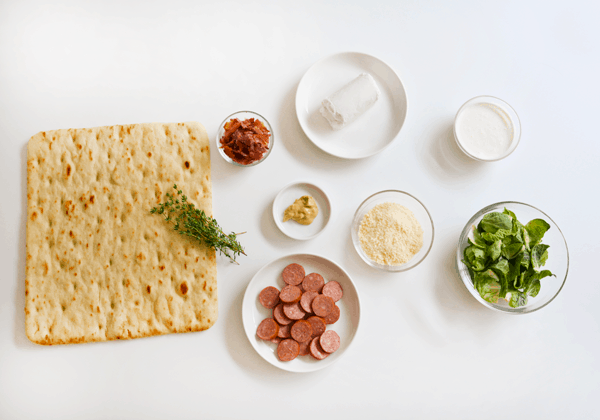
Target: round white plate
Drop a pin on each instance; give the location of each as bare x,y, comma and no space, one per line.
270,275
291,193
371,132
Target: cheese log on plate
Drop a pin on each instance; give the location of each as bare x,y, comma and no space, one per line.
350,102
99,265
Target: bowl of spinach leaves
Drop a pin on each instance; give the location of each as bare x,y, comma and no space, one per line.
512,257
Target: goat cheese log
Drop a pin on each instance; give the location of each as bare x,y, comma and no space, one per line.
350,102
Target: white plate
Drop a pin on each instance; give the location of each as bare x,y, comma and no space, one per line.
291,193
270,275
371,132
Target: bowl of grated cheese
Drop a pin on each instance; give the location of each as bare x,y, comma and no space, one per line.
392,231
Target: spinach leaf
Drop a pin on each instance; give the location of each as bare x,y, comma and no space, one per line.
492,222
539,255
475,258
487,284
502,269
495,250
517,299
477,240
536,229
511,251
510,213
493,237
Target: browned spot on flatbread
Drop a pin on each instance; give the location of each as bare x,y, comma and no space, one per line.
183,288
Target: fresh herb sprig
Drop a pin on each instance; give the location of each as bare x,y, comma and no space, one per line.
193,222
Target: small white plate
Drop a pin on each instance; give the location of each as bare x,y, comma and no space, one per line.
286,198
270,275
371,132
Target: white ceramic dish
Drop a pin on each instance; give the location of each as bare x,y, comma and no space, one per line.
371,132
287,196
270,275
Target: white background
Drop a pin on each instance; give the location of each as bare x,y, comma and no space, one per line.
426,348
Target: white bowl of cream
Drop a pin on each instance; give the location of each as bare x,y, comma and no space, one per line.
487,128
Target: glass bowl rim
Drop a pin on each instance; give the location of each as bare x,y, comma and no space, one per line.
386,268
471,288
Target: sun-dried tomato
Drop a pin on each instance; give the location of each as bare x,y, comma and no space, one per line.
245,142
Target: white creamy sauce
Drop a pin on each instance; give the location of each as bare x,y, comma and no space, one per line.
484,131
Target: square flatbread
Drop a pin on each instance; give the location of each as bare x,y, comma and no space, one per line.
99,265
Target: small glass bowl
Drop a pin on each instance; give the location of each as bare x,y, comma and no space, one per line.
244,115
558,257
508,111
413,204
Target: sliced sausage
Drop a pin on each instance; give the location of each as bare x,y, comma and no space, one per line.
269,297
280,316
276,340
334,290
318,325
267,329
293,274
304,348
293,311
314,282
315,349
301,331
290,294
306,300
333,316
288,350
329,341
284,331
322,305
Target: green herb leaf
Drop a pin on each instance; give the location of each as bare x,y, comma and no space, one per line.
487,284
492,222
189,221
536,229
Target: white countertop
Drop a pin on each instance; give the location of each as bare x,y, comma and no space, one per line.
426,349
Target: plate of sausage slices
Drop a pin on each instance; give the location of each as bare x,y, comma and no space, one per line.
301,312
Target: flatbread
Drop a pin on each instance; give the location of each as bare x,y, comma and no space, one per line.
99,265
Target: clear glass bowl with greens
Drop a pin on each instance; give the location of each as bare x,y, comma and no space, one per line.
557,261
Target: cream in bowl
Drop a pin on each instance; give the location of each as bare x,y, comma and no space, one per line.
487,128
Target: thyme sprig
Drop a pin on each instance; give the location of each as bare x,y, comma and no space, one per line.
193,222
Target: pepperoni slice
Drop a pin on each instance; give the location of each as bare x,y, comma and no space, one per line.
269,297
334,290
314,282
293,311
304,348
290,294
315,349
329,341
284,331
333,316
267,329
288,350
280,316
306,300
301,331
322,305
276,340
293,274
318,325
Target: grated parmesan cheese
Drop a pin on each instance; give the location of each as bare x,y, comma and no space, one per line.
390,234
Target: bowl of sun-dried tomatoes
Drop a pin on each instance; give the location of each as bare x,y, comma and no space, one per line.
245,138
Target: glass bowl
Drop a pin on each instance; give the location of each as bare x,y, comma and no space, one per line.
413,204
506,111
244,115
557,263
